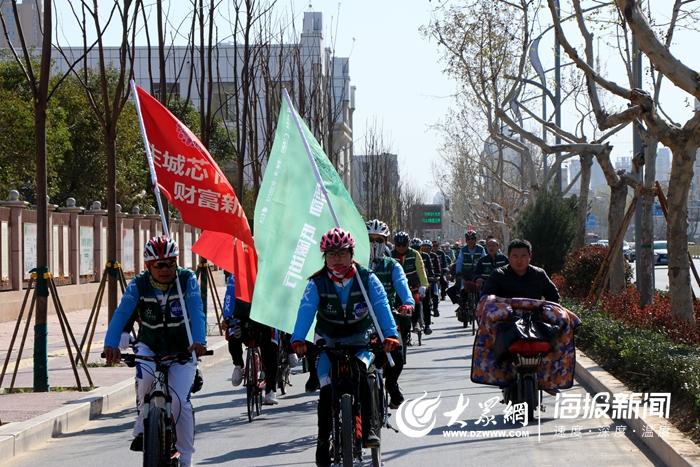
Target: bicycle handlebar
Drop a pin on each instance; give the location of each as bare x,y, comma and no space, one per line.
180,357
340,347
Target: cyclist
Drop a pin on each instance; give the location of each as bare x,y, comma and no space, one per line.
333,295
519,278
450,252
444,268
412,263
239,329
468,256
426,301
434,277
392,276
493,260
153,297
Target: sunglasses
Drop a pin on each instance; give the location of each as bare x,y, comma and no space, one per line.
376,240
164,265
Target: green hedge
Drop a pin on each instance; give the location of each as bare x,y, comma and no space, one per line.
644,359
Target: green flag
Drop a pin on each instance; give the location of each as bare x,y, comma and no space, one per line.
291,214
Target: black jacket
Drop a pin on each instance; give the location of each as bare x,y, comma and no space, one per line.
534,284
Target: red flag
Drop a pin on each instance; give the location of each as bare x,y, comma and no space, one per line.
188,175
234,256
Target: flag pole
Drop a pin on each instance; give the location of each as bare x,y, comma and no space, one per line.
156,193
319,181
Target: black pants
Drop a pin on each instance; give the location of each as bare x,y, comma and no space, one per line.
426,303
311,357
392,373
268,352
435,297
443,286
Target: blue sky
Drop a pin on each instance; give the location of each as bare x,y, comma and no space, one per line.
396,71
398,75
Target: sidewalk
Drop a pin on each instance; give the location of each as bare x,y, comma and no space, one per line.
22,406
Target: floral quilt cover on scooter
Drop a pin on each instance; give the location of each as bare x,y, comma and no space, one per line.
556,371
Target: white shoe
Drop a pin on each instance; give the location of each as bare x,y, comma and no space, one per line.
237,375
270,398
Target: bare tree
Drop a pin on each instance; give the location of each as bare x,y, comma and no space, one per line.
38,78
379,176
682,140
107,94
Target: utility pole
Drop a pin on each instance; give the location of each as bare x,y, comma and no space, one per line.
41,88
557,99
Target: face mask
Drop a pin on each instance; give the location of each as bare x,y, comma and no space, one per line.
340,271
377,251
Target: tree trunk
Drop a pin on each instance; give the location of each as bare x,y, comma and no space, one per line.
677,231
616,213
111,148
582,208
645,271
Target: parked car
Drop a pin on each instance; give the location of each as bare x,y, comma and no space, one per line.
660,252
628,251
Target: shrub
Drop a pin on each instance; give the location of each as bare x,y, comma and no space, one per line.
656,316
644,359
550,225
580,269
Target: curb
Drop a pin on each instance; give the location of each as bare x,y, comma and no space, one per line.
17,438
672,447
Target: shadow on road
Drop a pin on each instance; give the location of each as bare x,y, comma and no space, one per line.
285,447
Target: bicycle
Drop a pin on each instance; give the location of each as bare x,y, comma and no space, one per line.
466,313
283,369
417,318
159,434
346,434
253,378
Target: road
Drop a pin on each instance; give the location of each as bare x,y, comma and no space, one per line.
285,435
661,277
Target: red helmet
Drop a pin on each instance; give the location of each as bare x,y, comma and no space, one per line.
337,239
159,248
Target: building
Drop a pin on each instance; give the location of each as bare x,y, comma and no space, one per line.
30,19
375,185
317,81
624,163
663,165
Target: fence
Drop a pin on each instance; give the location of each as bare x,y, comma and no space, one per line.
78,241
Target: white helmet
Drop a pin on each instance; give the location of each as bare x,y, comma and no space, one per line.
377,227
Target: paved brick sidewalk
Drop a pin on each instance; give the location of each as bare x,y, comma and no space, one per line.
19,407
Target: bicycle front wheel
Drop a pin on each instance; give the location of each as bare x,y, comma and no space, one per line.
250,402
282,370
377,456
529,392
251,383
348,429
154,448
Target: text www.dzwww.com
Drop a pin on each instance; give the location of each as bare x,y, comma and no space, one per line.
486,434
